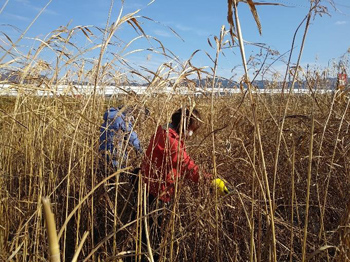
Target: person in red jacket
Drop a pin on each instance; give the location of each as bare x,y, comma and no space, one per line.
166,159
164,164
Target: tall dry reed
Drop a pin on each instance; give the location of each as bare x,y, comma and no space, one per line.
286,161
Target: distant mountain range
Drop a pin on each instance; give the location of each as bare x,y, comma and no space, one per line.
329,83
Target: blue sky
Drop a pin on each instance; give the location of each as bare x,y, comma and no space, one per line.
195,21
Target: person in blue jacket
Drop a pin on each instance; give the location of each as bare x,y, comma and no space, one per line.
116,133
116,137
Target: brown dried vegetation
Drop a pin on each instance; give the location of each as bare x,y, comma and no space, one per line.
285,157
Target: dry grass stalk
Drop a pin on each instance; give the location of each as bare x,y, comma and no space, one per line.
309,172
149,248
77,252
257,130
51,231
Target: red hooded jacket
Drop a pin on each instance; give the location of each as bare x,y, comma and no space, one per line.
164,161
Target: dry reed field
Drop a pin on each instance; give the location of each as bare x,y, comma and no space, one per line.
285,158
49,148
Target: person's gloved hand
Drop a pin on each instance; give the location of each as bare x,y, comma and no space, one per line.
220,186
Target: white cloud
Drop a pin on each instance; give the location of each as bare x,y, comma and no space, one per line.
46,11
162,33
132,6
341,22
22,1
201,32
184,28
17,17
196,31
27,4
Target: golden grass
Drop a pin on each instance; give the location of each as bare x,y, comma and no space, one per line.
285,156
36,161
51,231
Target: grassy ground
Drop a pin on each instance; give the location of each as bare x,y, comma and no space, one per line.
49,147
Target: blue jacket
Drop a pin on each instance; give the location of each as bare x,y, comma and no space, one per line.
115,131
